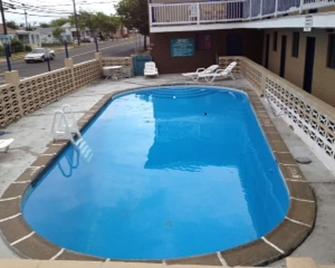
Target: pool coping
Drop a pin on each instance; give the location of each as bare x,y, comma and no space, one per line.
279,243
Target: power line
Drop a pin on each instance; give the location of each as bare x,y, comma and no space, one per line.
34,15
84,4
19,5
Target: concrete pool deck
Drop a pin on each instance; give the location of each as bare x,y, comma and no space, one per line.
32,134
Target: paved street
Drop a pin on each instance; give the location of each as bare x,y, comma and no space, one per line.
86,52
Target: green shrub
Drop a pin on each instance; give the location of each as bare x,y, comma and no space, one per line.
17,46
27,48
2,51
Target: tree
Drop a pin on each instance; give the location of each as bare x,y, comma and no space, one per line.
57,33
59,22
12,25
44,25
134,14
96,22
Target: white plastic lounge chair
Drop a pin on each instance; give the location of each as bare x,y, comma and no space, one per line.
150,69
195,75
220,73
5,143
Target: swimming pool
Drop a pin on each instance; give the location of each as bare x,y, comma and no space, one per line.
175,172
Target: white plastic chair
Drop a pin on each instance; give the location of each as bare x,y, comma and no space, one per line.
195,75
150,69
220,73
5,143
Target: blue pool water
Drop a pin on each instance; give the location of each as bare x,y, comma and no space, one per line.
176,172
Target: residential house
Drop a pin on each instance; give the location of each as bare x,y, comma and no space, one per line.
46,35
84,33
30,38
293,38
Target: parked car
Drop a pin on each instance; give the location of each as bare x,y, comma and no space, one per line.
40,54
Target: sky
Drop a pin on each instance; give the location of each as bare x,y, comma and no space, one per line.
44,11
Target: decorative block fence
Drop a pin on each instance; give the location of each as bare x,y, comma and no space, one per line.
22,97
312,119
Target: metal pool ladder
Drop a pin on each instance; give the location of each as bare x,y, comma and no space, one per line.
65,127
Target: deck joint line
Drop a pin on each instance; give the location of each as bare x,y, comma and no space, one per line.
38,167
22,238
296,180
222,260
21,182
302,200
57,254
288,165
10,198
10,217
298,222
273,245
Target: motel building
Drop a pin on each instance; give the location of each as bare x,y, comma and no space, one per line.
292,38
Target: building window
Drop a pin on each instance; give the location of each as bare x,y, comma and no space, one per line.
275,41
331,51
295,44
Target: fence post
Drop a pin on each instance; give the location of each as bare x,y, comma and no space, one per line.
276,8
13,78
8,57
250,14
66,49
150,16
261,10
98,57
198,13
301,6
68,63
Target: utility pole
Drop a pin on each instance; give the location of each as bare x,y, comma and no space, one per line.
76,21
25,16
7,49
3,18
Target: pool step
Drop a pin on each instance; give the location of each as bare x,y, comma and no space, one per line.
180,93
84,149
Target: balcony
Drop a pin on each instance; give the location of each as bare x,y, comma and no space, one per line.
199,14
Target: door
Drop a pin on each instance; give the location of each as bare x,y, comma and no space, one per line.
309,64
283,56
234,46
267,50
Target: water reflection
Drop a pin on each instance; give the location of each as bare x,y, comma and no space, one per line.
69,161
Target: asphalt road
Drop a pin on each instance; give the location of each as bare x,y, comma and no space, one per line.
121,47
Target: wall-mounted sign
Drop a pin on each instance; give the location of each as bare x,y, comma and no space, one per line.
182,47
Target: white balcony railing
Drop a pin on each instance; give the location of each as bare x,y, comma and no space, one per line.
169,14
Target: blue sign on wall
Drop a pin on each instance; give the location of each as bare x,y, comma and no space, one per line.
182,47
